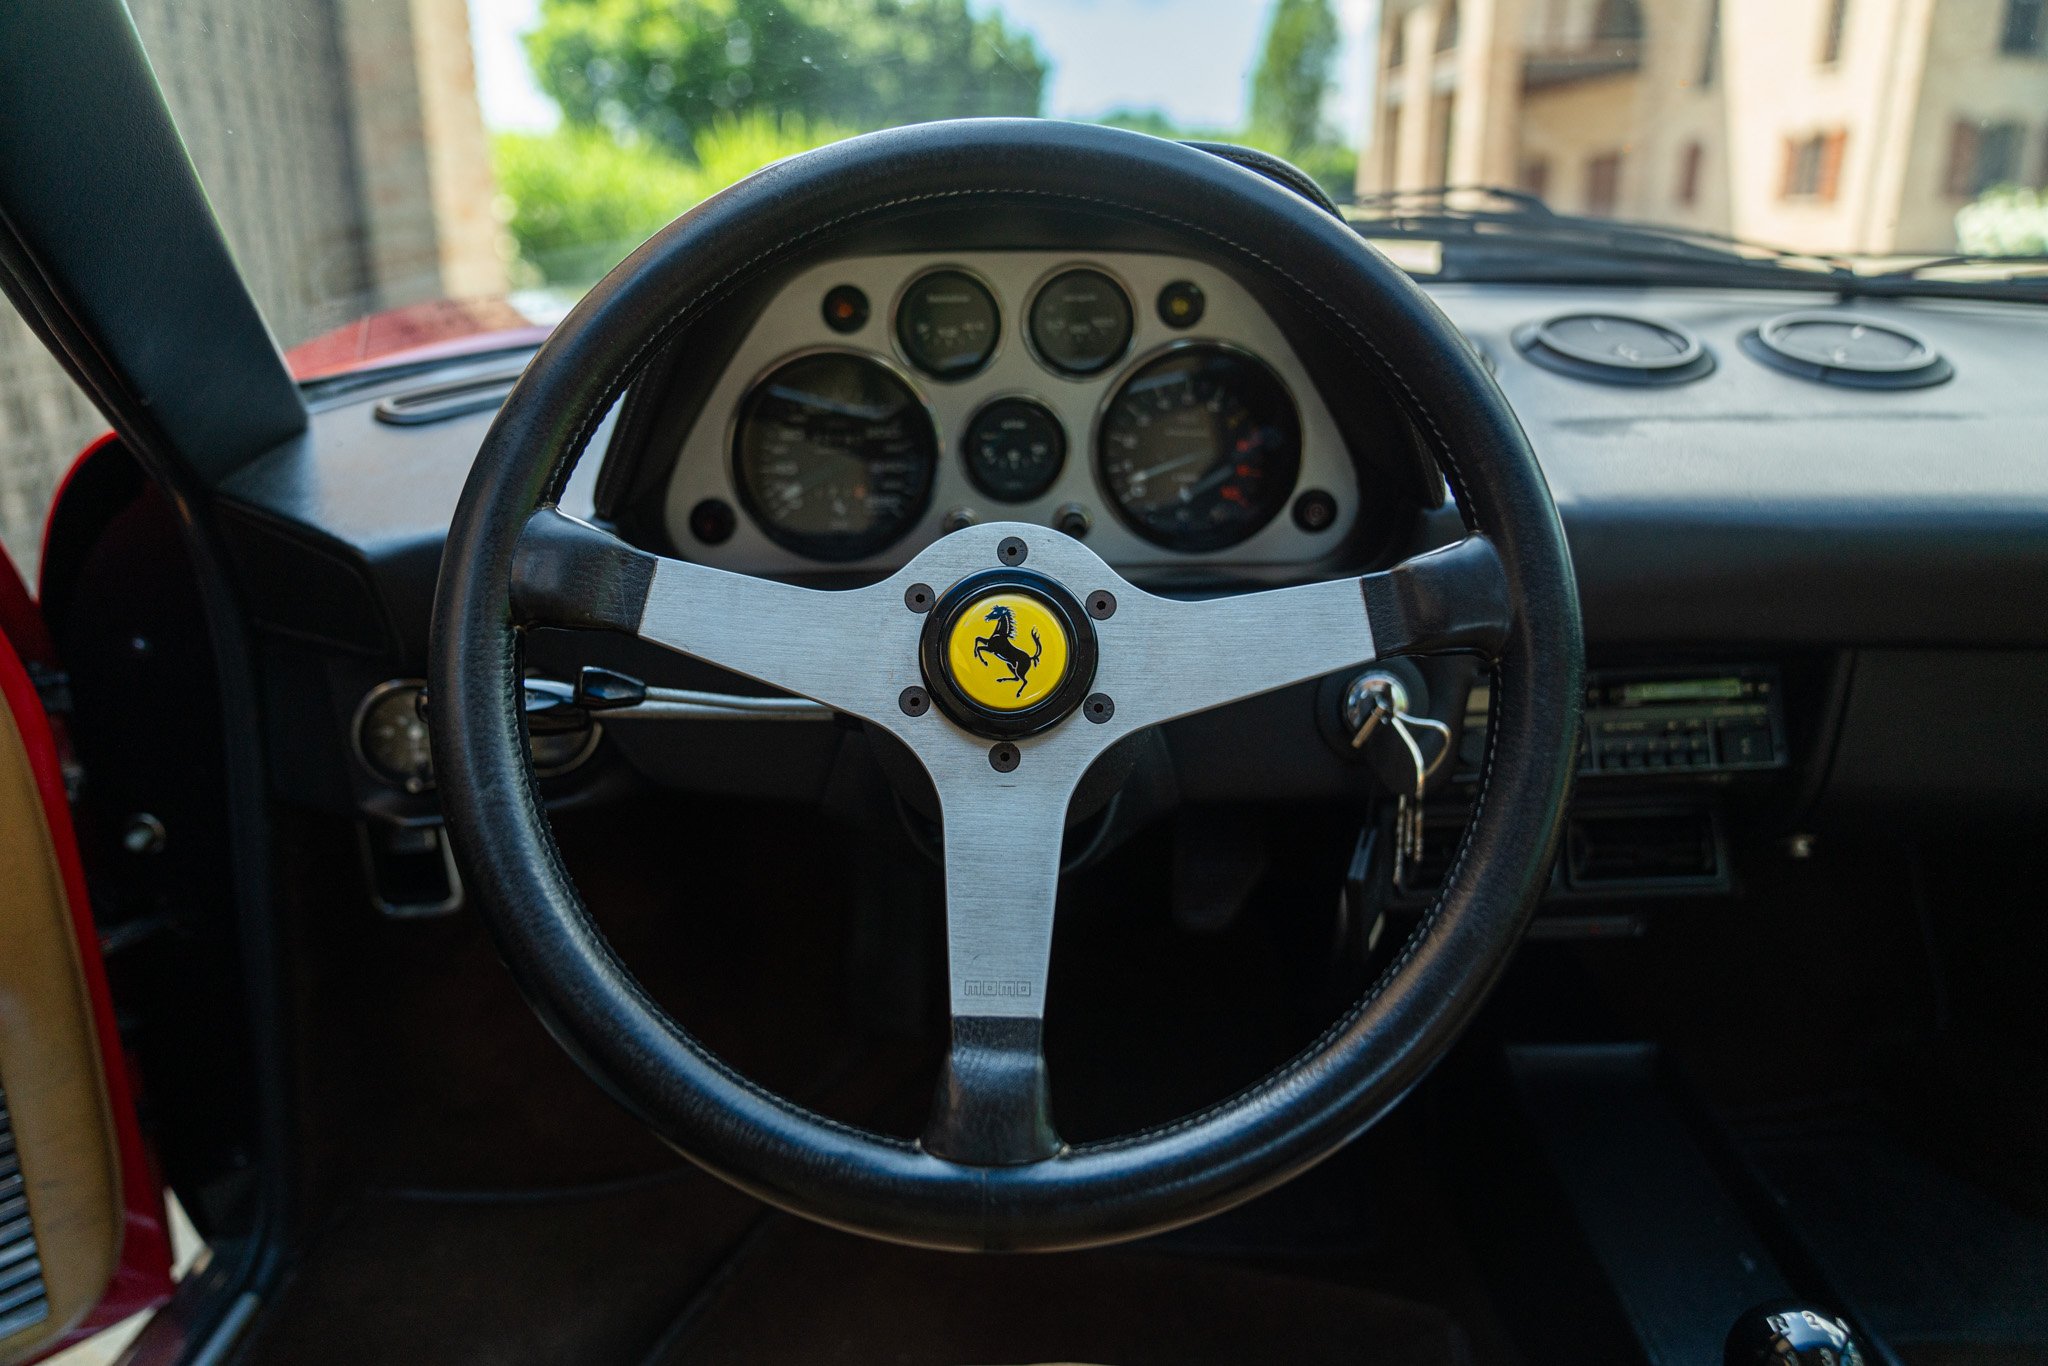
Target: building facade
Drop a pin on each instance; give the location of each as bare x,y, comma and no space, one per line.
342,147
1844,126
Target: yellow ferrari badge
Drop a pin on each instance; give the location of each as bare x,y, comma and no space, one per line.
1007,652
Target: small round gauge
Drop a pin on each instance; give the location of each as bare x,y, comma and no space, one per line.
1014,449
1081,322
394,743
834,456
1200,448
391,736
947,324
558,751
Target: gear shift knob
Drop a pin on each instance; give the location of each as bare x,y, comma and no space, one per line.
1789,1333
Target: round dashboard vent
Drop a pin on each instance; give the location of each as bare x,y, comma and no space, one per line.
1612,348
1841,348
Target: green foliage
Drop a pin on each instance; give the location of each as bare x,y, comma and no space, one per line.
1329,164
2008,220
580,199
1294,76
1156,122
669,69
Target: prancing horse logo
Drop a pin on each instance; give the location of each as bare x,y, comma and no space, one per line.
1002,643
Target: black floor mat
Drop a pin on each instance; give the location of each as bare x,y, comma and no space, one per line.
1942,1271
593,1277
800,1293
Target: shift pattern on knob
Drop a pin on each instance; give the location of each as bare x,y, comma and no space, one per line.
1786,1333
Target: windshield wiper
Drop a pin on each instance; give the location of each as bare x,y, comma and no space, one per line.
1920,270
1521,218
1543,244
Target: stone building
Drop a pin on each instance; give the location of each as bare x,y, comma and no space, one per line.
343,149
1854,126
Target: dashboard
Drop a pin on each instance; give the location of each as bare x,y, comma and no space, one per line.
1144,401
1792,519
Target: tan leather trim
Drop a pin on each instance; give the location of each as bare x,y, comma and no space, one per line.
50,1064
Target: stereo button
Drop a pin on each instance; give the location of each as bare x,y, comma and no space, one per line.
1746,742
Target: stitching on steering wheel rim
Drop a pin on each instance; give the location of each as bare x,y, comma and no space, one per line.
717,292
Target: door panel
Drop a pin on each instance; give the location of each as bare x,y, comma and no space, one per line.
69,1143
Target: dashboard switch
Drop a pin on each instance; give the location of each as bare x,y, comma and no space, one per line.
712,521
1315,510
1746,742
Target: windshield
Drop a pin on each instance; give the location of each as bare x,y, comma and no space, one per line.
481,164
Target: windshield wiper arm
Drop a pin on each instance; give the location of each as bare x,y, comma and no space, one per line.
1921,269
1541,243
1526,219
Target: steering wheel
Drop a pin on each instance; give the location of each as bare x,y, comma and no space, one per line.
1110,659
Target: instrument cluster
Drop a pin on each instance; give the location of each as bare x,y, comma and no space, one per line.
1142,401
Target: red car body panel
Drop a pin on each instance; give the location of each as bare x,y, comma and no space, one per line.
445,329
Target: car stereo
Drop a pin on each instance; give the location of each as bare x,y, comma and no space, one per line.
1663,721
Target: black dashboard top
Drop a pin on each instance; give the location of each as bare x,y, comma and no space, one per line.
1747,506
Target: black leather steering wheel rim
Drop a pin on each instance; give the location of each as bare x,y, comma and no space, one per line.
866,1182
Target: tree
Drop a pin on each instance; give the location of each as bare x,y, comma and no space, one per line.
1294,75
669,69
579,199
2006,220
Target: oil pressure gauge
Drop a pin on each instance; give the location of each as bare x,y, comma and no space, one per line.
394,743
392,738
1014,449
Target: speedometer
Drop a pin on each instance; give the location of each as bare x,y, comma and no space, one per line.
1200,448
834,456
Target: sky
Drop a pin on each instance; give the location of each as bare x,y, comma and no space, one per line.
1190,58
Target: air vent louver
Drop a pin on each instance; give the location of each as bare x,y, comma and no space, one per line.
1613,348
23,1302
1842,348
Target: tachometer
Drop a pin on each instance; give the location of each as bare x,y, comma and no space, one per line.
834,456
1200,448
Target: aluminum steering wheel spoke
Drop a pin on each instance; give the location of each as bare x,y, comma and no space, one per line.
936,655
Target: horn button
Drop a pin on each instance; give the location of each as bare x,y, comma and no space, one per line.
1007,653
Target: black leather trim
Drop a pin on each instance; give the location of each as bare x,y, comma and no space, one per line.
1448,601
1277,169
1098,1193
994,1107
568,573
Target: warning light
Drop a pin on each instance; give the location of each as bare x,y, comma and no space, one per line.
1180,304
846,309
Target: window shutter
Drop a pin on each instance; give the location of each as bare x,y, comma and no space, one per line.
1790,170
1962,157
1831,164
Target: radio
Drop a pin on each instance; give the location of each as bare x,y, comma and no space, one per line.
1663,722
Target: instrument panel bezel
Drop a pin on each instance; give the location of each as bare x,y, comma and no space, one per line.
790,323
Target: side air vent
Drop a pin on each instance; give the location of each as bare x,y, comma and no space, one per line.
1841,348
1613,348
22,1301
